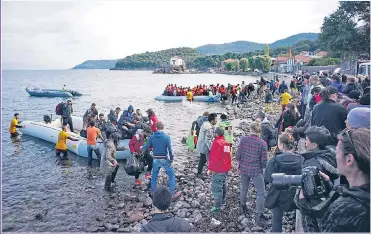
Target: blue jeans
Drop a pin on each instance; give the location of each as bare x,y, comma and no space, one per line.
90,149
164,163
219,188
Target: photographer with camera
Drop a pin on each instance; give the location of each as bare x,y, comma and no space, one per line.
347,208
322,157
285,162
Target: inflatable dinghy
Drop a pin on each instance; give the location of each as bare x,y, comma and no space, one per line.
36,92
49,132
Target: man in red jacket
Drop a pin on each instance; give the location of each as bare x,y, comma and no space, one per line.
220,163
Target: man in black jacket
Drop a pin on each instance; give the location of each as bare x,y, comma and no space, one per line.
329,114
67,111
164,220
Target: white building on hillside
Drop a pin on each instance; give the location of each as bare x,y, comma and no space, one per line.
176,61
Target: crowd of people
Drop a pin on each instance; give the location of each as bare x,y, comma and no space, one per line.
325,112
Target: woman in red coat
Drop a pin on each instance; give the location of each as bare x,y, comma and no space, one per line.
135,143
153,119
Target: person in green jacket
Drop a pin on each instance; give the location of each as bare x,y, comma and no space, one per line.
226,125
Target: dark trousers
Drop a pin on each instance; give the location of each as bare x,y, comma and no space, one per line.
234,98
58,152
277,219
68,120
90,149
14,134
111,178
201,163
303,108
148,160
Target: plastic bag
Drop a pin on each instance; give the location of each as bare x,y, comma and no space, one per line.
190,142
133,166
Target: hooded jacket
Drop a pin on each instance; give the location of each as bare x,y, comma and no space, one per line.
127,116
166,222
290,164
112,117
161,145
220,156
108,153
67,111
200,120
350,212
324,160
338,85
135,143
267,131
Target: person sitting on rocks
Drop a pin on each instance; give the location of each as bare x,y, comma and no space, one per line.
252,159
220,162
163,220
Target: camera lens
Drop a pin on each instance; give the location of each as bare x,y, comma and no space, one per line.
282,181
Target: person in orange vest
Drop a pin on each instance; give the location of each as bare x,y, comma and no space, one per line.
234,93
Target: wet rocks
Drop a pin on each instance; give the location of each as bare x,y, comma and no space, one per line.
147,201
135,217
111,227
129,197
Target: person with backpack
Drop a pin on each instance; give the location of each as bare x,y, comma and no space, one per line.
66,113
268,132
164,220
347,208
109,165
220,162
286,161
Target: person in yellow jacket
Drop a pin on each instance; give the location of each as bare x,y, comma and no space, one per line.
61,146
14,125
189,96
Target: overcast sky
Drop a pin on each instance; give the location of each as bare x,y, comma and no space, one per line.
60,35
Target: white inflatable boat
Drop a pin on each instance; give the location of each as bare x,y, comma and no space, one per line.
49,132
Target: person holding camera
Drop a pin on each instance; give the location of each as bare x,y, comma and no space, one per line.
322,157
347,208
285,162
252,157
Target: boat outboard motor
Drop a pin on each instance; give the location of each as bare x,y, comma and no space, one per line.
47,119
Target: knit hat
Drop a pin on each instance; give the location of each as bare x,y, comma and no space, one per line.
354,94
332,89
359,117
139,131
219,131
261,114
365,99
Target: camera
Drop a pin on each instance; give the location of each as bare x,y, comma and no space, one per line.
310,181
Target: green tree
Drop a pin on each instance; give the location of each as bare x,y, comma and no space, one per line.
229,66
236,65
266,49
244,63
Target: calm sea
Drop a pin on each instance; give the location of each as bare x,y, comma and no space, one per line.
34,182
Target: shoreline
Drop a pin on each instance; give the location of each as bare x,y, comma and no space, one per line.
127,211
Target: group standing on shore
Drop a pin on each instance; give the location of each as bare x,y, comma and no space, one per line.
337,143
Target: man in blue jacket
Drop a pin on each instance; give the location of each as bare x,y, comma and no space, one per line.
162,157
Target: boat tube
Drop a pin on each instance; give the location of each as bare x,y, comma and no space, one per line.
36,92
49,132
215,98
